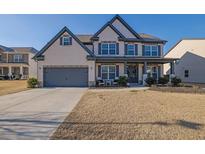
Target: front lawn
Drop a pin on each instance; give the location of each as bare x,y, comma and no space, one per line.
135,115
12,86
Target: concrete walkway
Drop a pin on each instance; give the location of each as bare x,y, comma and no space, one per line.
35,114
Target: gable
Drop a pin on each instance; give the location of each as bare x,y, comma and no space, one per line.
122,29
108,34
64,31
57,54
182,47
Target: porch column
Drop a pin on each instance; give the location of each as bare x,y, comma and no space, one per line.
125,68
10,73
21,70
144,73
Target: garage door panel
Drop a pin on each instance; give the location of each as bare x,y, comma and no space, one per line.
65,77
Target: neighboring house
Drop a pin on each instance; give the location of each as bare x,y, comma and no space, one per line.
191,66
18,61
115,50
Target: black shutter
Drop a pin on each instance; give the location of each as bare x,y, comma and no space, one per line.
159,50
99,70
70,40
99,48
117,48
117,70
125,49
136,49
61,40
143,50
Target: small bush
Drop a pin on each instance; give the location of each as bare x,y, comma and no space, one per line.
122,81
150,81
6,77
163,80
32,82
175,81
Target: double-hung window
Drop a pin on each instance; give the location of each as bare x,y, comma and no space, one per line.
18,58
108,48
130,49
151,50
66,40
108,72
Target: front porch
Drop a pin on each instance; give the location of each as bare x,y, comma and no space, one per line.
136,71
14,71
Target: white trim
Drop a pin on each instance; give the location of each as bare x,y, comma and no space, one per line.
134,50
109,49
63,40
151,55
18,58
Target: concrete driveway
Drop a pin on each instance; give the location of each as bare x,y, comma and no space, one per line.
35,114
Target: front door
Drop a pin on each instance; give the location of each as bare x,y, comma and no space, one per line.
132,72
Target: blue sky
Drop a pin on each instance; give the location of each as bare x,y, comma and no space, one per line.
37,30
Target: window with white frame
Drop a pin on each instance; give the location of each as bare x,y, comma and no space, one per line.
66,40
130,49
151,50
18,58
108,72
108,48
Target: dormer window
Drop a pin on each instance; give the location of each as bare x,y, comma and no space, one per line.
66,40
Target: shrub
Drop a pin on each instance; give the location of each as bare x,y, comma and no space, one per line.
32,82
122,81
150,81
163,80
6,77
175,81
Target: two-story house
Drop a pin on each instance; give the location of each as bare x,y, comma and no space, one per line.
17,61
114,50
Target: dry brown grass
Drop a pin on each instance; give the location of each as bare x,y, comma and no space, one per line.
12,86
135,115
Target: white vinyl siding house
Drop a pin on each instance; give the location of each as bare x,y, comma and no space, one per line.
190,66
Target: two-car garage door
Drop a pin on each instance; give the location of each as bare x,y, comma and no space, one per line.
65,77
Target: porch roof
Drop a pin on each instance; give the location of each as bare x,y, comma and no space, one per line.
120,59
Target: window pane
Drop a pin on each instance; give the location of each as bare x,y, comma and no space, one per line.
105,69
66,41
112,49
112,69
130,49
112,46
147,51
154,50
104,76
111,76
104,49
